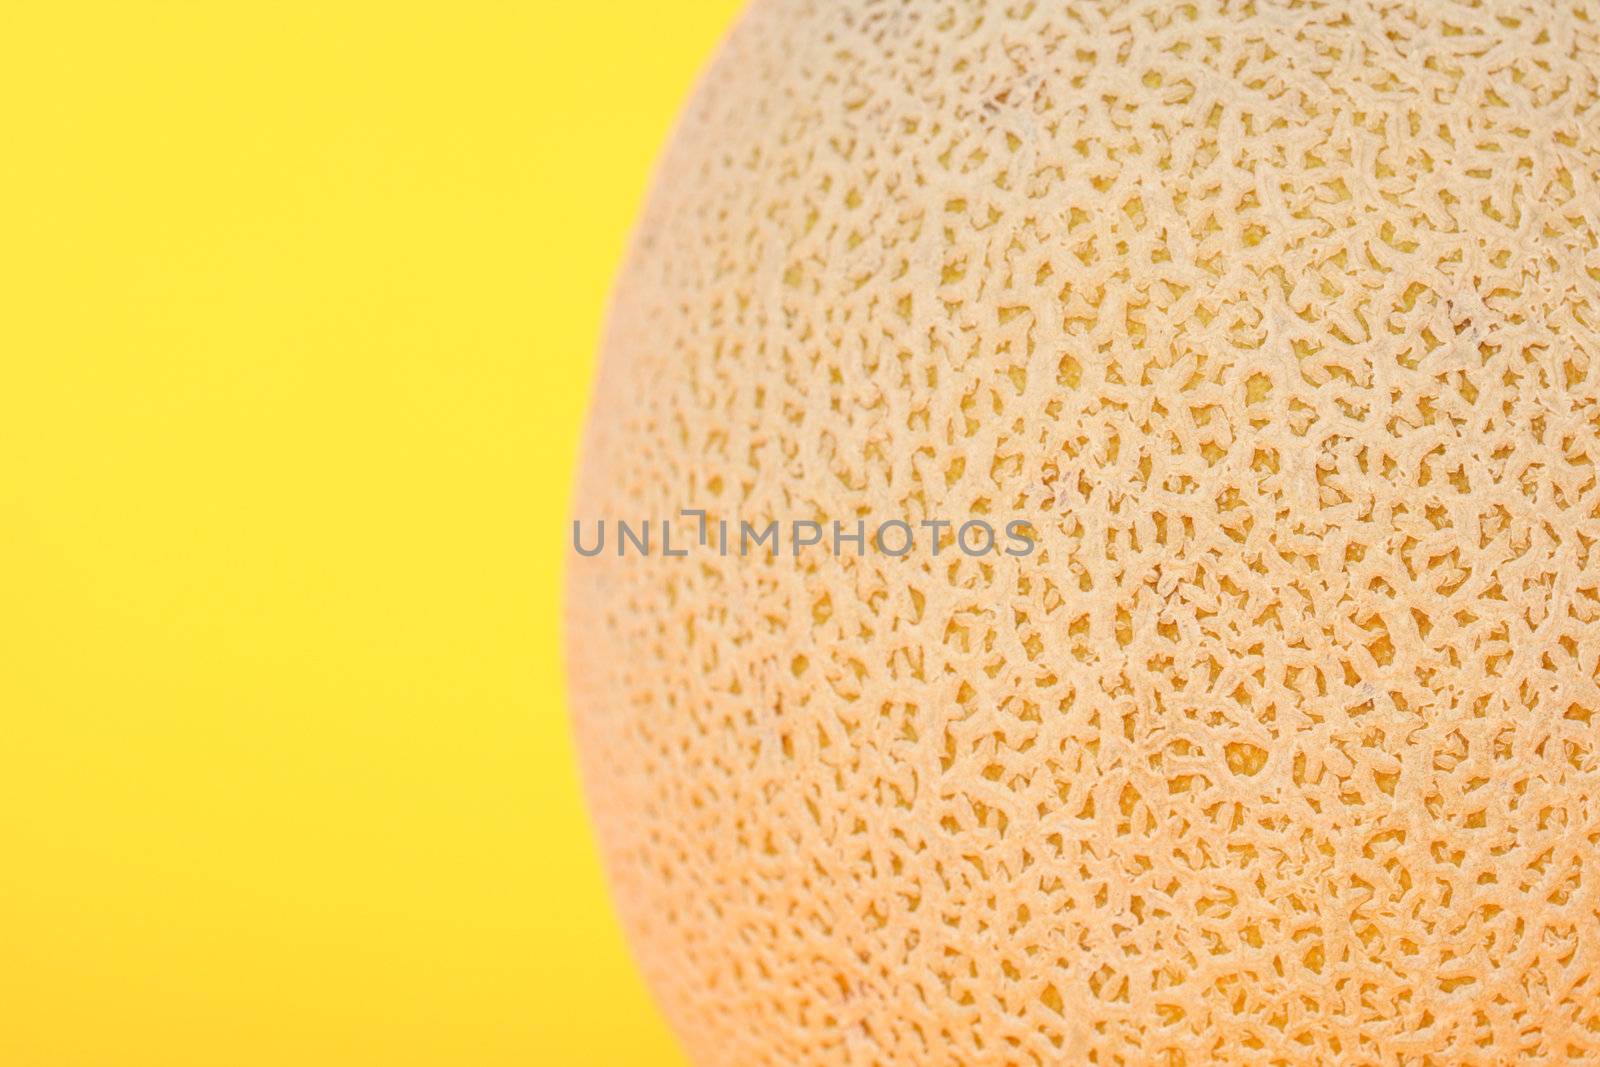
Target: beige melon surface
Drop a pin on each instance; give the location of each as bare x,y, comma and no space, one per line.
1280,321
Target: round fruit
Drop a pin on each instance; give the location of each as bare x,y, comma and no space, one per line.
1278,323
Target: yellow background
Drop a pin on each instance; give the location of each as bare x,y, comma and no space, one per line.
298,306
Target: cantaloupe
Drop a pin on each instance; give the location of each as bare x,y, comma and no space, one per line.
1279,323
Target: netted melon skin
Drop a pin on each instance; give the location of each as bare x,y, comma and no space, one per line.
1280,321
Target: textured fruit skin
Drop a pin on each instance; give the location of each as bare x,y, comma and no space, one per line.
1280,321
